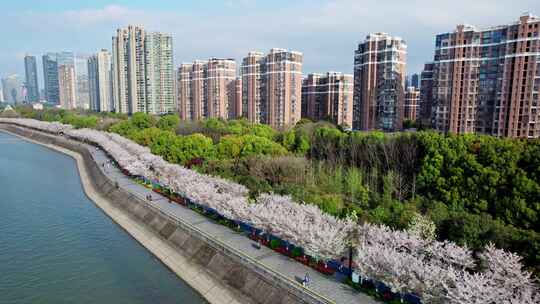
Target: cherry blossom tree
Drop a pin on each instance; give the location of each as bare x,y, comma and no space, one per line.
407,261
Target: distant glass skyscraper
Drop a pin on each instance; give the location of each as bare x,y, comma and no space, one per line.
65,58
50,78
415,81
32,89
12,88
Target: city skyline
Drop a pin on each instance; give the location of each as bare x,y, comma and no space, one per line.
325,31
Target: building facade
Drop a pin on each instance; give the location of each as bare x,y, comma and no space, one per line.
99,82
379,78
236,110
272,87
31,77
50,78
142,71
488,80
207,89
328,97
251,86
160,74
67,86
82,82
282,88
411,104
426,95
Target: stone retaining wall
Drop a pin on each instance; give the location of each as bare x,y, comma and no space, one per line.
246,281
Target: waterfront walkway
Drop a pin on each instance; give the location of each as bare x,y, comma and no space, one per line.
328,287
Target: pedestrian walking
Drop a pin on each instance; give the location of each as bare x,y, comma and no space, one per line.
306,280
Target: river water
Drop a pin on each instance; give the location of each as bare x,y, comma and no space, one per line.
56,246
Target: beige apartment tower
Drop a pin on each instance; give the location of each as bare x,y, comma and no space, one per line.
488,80
272,87
379,79
251,73
236,110
207,89
328,97
66,84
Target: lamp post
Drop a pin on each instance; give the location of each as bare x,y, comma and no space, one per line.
353,242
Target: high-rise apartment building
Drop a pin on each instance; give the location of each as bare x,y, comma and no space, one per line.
143,79
282,88
67,86
251,86
99,82
236,110
160,73
207,89
82,85
426,95
183,86
129,76
30,69
220,87
411,103
328,97
272,87
50,78
488,80
379,77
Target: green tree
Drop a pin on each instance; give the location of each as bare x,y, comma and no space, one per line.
168,122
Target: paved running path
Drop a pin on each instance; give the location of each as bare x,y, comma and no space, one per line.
328,287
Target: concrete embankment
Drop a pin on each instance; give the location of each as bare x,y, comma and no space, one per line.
217,272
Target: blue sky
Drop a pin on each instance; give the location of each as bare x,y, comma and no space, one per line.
326,31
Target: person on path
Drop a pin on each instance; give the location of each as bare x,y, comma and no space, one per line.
306,280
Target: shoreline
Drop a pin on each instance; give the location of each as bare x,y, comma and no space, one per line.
194,276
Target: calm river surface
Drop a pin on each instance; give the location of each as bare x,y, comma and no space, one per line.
56,246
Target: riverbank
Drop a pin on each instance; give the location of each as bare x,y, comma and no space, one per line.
212,291
224,259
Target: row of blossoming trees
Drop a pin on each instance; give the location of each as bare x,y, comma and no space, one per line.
438,272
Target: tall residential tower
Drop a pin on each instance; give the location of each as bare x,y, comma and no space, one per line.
488,80
379,78
328,97
142,71
99,82
207,89
272,87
